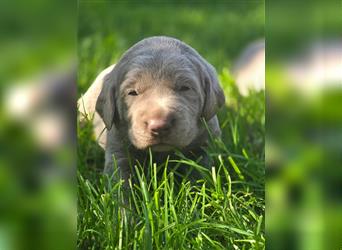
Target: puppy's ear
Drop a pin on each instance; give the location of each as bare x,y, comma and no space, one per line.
214,96
105,104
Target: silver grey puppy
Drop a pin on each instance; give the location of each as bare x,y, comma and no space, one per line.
155,97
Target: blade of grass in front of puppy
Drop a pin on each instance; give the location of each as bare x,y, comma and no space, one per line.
135,240
228,179
244,152
213,243
213,175
193,164
171,198
149,175
216,194
127,230
235,132
91,191
120,231
236,168
155,187
211,138
155,181
118,220
193,205
155,193
148,232
115,174
133,194
203,200
166,210
218,185
259,225
180,199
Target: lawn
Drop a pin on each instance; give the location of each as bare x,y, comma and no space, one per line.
162,209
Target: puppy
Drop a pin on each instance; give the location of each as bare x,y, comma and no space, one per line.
156,97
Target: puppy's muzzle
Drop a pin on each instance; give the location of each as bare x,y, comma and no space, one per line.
159,124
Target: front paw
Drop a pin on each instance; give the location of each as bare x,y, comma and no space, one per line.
119,170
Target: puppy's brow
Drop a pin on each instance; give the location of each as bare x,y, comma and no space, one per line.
127,84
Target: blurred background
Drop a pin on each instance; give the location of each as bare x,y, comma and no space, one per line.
38,124
303,111
303,125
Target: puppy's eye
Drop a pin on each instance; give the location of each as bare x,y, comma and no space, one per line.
184,88
133,92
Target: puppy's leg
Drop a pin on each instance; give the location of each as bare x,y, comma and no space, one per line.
116,156
112,161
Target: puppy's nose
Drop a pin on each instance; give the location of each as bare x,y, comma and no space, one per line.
160,126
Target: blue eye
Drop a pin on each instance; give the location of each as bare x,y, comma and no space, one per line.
184,88
133,92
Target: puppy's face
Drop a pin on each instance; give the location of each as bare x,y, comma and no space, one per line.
157,94
161,112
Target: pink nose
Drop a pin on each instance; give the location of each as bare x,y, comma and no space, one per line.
160,126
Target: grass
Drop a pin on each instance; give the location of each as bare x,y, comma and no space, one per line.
163,210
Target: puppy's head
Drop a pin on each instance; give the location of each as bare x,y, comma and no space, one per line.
158,92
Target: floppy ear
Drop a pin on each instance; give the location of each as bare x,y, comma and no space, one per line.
214,96
105,104
213,93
